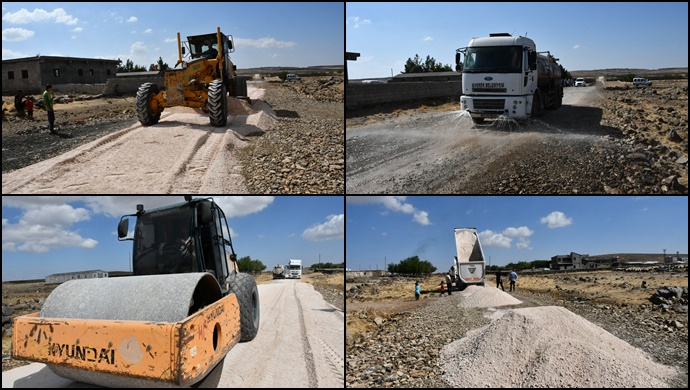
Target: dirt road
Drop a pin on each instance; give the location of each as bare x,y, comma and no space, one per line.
182,153
299,344
568,150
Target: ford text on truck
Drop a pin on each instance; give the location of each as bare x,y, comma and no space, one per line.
468,264
504,75
294,269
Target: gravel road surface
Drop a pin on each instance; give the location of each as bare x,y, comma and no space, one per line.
568,150
299,344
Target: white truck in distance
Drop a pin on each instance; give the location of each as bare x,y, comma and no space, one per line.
294,269
468,265
504,75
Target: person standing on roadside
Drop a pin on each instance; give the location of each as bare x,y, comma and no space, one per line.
29,104
417,292
512,277
442,291
449,282
499,279
48,96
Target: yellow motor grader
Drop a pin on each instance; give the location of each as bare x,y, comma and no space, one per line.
205,78
169,325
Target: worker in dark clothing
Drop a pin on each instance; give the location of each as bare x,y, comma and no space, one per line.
499,280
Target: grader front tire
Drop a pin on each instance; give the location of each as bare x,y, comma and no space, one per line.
217,105
146,115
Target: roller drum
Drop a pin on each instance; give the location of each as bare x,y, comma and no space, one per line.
156,298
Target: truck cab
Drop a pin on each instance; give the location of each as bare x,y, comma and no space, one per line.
294,269
504,75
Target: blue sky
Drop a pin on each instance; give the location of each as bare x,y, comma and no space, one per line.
511,229
42,235
583,35
265,34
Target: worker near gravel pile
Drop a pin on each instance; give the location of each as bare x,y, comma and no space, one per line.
512,277
499,280
449,282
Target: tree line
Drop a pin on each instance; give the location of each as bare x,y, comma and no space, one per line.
130,67
412,266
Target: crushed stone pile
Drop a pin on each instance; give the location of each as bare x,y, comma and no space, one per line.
486,296
557,349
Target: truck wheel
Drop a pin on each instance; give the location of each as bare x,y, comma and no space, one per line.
240,86
217,104
536,105
147,115
244,286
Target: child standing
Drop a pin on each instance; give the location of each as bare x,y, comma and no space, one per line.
442,284
417,293
29,104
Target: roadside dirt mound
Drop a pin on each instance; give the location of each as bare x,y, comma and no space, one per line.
549,347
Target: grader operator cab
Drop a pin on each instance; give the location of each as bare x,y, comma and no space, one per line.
203,78
171,324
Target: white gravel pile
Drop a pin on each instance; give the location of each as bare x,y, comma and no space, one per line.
548,346
486,296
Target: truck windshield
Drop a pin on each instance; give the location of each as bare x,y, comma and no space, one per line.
294,267
493,59
164,242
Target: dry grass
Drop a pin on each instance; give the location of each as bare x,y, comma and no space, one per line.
332,281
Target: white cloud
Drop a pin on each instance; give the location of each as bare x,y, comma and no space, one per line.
132,19
356,21
332,229
577,46
148,31
263,43
556,219
23,16
169,40
522,231
43,227
77,29
16,34
491,238
422,217
428,38
393,203
523,243
8,54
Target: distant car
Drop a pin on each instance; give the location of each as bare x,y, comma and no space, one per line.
292,77
579,82
641,81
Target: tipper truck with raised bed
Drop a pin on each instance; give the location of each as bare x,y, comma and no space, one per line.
503,75
468,264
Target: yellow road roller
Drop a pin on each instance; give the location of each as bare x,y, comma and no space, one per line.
169,325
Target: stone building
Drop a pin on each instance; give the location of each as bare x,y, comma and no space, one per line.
63,277
31,74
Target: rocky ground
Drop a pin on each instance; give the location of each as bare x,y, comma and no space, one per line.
401,347
303,153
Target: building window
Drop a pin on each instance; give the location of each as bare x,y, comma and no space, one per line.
80,72
10,75
56,72
107,72
90,72
25,74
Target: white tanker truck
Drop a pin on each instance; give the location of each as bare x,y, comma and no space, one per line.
504,75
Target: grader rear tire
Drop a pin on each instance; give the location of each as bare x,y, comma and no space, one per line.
240,86
143,104
244,286
217,105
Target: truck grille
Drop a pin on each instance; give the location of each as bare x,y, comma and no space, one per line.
488,104
499,90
